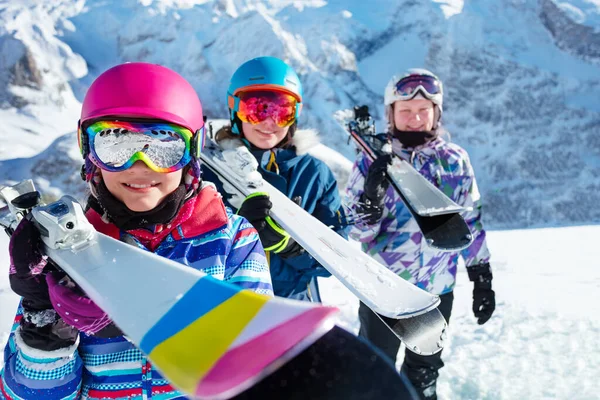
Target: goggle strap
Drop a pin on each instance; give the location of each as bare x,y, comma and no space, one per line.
84,141
197,142
233,102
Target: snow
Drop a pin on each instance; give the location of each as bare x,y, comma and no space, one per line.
450,7
541,340
585,12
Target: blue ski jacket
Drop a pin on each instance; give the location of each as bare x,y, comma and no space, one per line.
296,173
207,237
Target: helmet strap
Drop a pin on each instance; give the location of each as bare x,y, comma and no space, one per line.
236,124
437,116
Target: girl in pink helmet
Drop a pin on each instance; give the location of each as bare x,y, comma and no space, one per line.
140,131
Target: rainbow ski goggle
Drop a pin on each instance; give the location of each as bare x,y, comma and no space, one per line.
256,106
116,145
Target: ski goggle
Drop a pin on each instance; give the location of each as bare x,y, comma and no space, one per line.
409,86
256,106
116,145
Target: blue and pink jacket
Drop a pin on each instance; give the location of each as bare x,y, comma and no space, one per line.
206,236
396,241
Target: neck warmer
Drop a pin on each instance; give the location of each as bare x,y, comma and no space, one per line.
414,138
125,219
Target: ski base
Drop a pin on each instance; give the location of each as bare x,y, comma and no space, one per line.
423,196
421,334
338,366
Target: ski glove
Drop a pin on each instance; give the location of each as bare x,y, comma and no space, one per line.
76,309
368,211
41,327
376,183
256,209
484,298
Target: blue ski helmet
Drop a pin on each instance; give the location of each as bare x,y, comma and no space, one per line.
262,73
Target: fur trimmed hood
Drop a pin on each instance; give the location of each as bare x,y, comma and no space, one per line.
304,140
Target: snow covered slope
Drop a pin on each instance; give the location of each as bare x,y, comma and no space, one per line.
541,341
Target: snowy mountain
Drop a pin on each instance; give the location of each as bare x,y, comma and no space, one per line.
522,79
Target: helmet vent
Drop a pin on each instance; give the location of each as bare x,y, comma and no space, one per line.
257,78
291,82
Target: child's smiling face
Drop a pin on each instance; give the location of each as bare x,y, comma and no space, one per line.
140,188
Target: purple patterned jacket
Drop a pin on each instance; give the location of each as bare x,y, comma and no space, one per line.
396,240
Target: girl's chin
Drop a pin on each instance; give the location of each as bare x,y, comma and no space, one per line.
266,144
141,206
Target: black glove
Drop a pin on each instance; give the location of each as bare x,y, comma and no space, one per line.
27,263
292,249
41,327
368,211
256,209
376,183
484,298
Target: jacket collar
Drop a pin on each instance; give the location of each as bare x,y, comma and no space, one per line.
200,214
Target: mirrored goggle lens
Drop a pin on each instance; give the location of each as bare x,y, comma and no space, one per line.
119,144
257,106
408,85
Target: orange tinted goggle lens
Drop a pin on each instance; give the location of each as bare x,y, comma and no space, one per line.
255,107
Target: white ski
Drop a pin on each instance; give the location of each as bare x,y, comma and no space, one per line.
424,197
375,285
180,317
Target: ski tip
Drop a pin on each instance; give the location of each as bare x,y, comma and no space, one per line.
263,355
210,363
451,245
424,334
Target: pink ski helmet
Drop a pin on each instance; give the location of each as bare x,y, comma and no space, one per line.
142,90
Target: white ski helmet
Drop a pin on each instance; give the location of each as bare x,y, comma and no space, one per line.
411,84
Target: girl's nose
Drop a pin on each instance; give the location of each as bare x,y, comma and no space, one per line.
139,166
269,123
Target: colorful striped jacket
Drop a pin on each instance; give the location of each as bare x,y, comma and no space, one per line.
207,237
396,240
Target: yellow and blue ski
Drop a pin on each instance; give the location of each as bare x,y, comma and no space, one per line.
211,339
